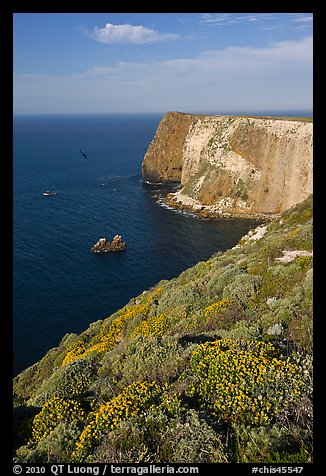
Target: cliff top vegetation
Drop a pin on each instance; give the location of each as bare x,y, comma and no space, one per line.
276,118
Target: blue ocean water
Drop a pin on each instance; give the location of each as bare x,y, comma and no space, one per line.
59,285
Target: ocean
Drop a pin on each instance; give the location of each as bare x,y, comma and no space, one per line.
60,286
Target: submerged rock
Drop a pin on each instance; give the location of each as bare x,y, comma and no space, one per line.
105,246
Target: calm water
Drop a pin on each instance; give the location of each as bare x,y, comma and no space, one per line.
59,285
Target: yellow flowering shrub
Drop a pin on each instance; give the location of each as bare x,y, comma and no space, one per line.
53,412
303,261
171,403
208,262
293,233
243,380
155,325
125,405
216,308
76,351
110,339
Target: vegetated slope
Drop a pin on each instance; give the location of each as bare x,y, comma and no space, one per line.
212,366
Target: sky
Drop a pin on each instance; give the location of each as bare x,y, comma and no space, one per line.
158,62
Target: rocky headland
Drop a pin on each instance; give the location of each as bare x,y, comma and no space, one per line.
232,166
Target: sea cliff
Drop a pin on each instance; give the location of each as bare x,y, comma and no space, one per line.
232,166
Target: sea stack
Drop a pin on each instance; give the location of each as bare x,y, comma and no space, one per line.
105,246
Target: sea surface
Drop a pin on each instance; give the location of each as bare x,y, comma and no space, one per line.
60,286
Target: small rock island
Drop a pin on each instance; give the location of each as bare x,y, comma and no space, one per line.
105,246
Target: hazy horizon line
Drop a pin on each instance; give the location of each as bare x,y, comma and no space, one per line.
220,112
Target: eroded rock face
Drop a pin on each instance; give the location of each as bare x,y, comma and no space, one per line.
163,159
232,166
105,246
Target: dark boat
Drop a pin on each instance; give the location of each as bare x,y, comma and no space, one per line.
48,193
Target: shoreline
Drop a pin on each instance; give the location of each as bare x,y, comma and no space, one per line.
179,201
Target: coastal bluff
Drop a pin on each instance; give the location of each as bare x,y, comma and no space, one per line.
232,166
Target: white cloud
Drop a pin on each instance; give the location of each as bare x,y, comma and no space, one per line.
304,19
274,21
279,75
226,19
283,51
219,18
283,54
118,34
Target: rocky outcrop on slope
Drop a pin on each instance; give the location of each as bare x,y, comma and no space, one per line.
232,166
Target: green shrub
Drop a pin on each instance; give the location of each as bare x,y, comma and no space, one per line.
300,213
279,280
186,294
221,278
281,313
27,382
225,320
123,445
302,456
23,417
54,448
29,453
102,389
241,329
266,444
155,437
189,439
243,288
66,382
151,358
308,280
300,332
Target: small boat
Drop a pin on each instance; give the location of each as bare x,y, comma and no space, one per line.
48,193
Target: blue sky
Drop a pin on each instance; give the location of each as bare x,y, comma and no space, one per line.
158,62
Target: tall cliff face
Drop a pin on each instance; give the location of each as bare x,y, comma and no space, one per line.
164,157
239,166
